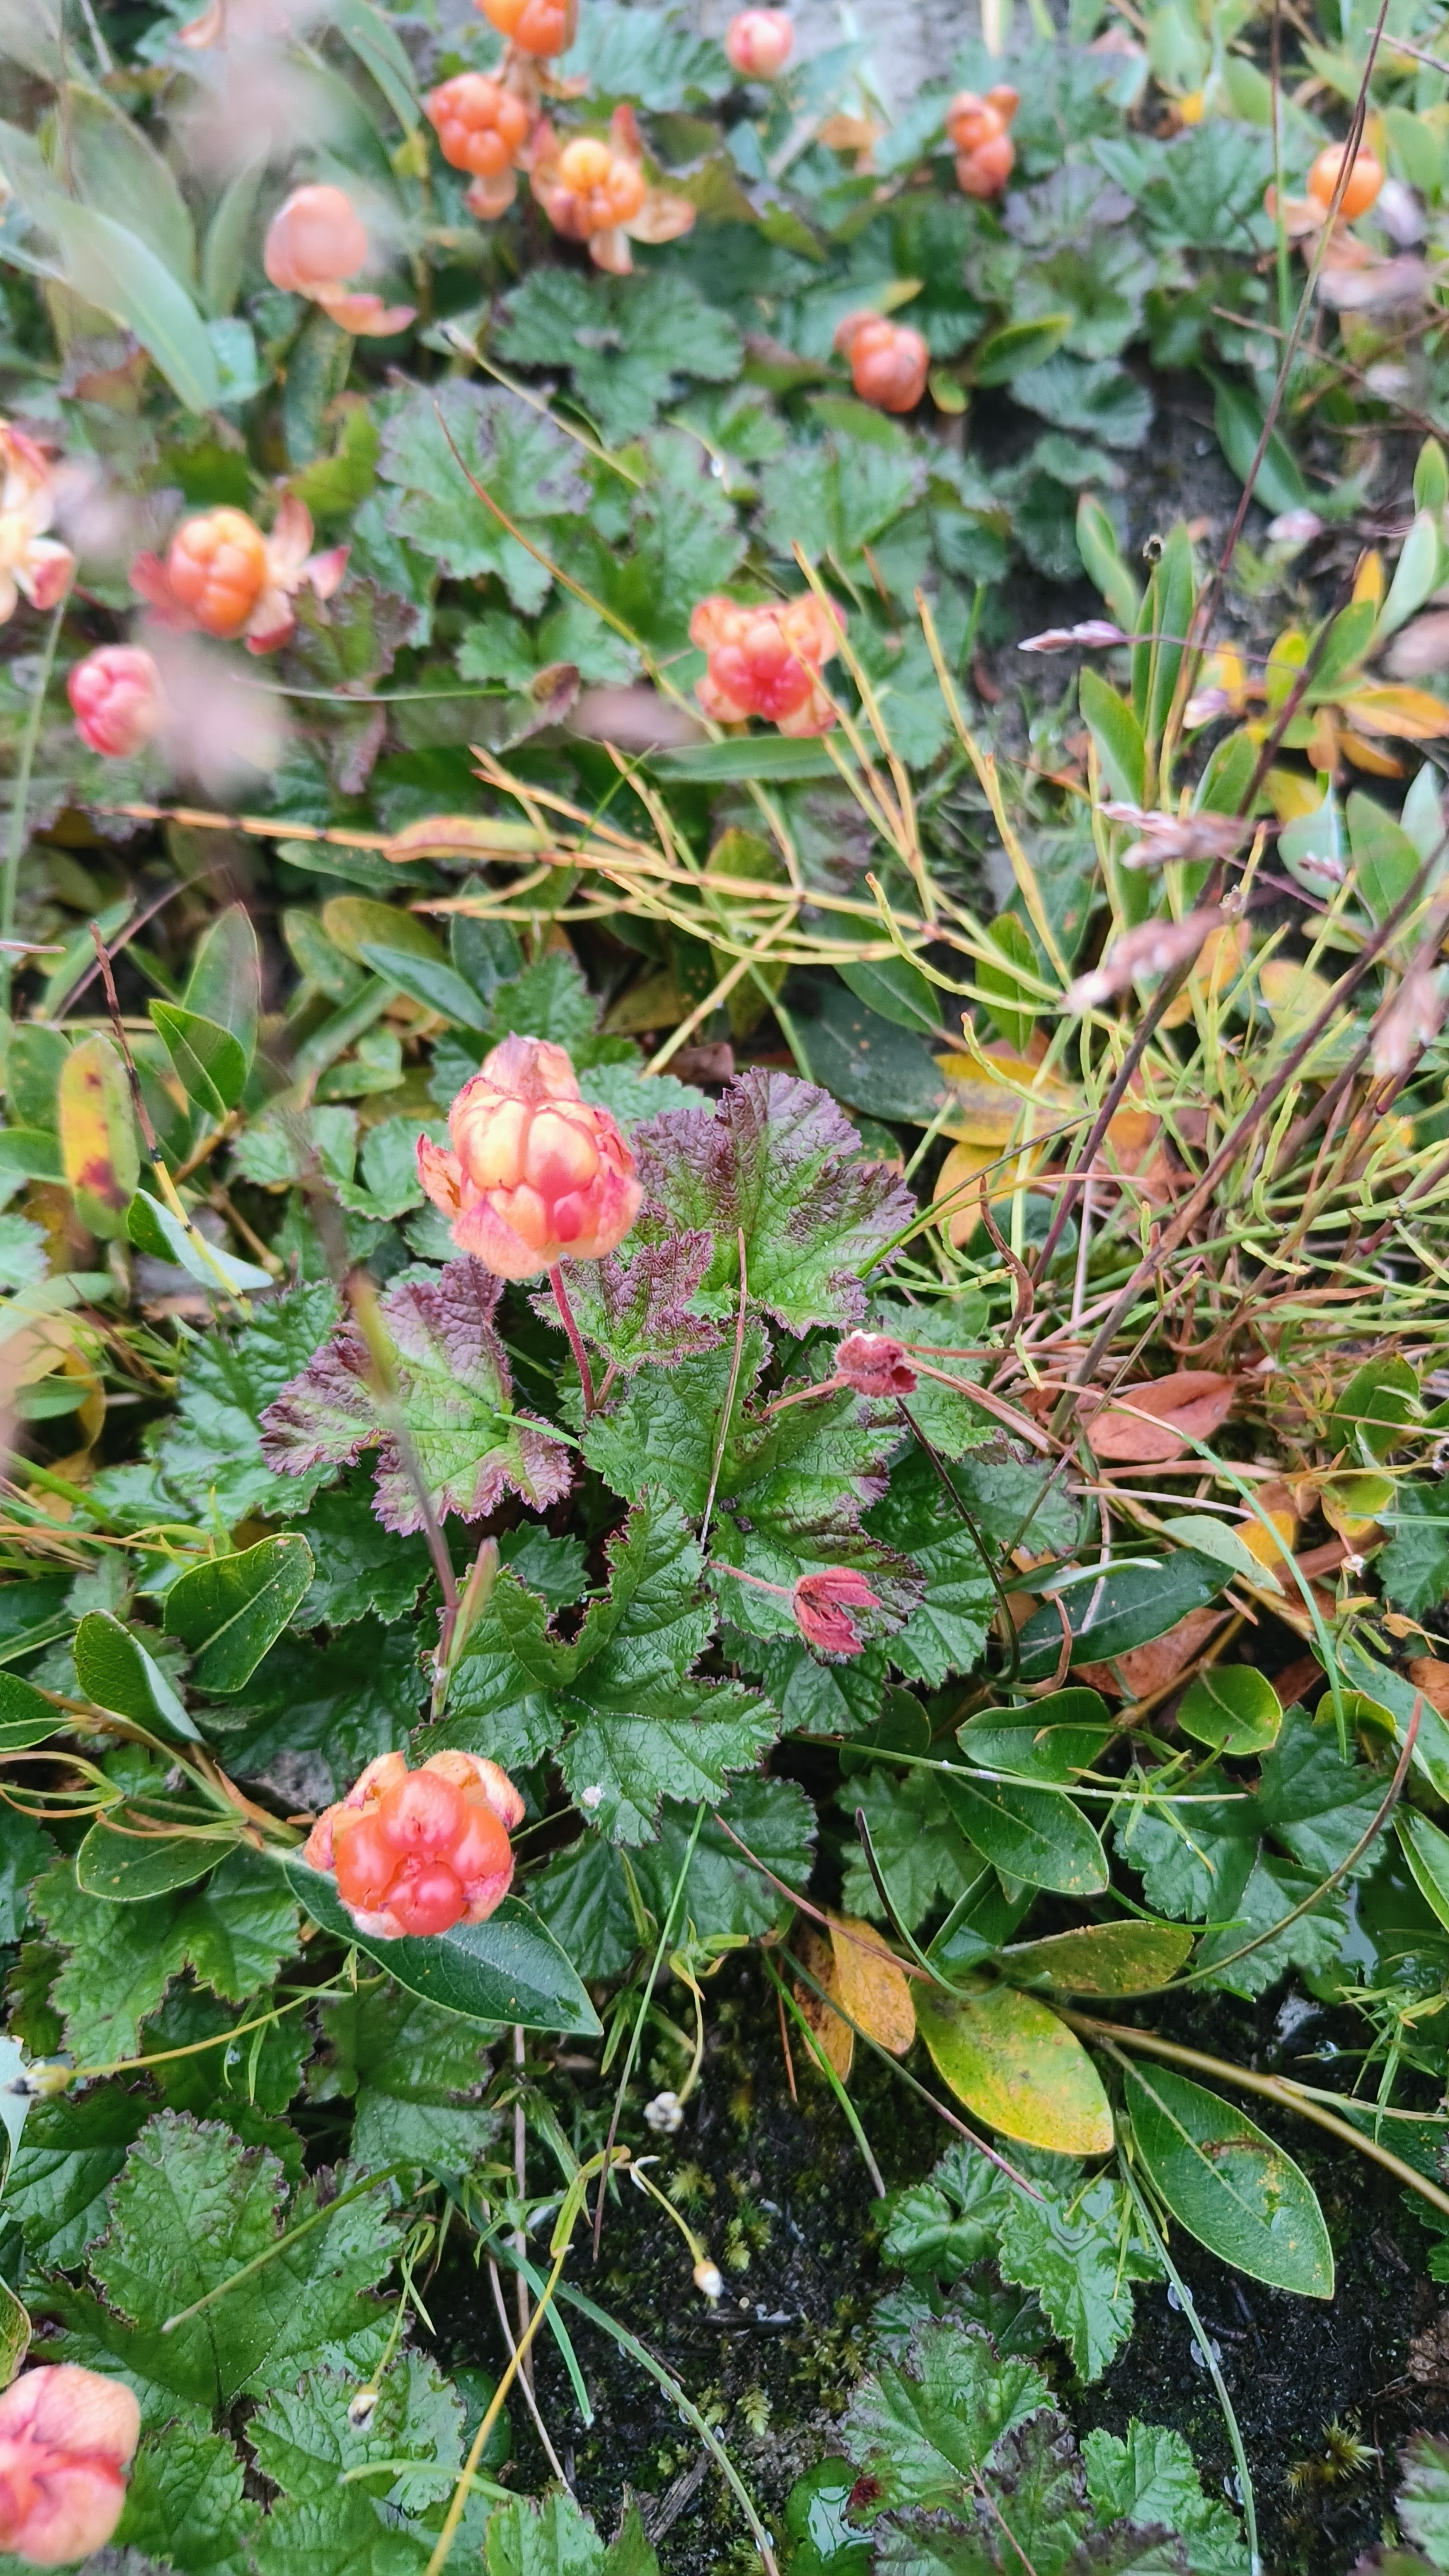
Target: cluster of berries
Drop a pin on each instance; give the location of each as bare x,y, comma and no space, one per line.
979,131
415,1852
221,577
766,660
485,122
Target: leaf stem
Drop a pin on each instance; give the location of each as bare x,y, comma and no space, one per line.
1158,2244
290,2236
576,1339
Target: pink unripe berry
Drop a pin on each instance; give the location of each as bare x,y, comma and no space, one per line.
758,43
117,698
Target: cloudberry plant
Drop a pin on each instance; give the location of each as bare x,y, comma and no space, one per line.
590,188
66,2440
1365,179
536,1174
889,362
217,569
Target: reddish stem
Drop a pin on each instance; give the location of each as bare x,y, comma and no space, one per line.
576,1339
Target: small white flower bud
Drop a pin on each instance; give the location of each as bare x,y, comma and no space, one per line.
665,2114
709,2280
363,2408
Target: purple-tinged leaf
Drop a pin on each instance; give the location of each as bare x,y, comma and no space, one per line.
454,1396
638,1310
777,1160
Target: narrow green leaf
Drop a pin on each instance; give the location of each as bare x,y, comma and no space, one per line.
436,986
113,268
1426,1849
1231,1706
127,1869
1231,2187
209,1061
1018,347
229,1611
153,1228
225,983
508,1969
25,1717
1415,574
1032,1834
1126,1609
114,1669
1279,484
1373,1409
1118,737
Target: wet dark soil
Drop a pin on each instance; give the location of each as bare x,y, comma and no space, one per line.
780,2195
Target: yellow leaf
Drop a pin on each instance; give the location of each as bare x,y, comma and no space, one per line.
1285,663
1294,994
870,1984
959,1208
1291,794
1019,2068
1272,1544
1411,715
464,836
1000,1099
98,1149
1368,581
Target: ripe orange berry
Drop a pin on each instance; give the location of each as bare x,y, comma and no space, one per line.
1365,179
594,189
480,125
984,172
889,362
535,26
217,568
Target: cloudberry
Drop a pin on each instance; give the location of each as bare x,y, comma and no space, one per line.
117,698
888,362
217,568
537,1174
415,1852
593,188
535,26
66,2439
480,125
1365,179
766,661
985,153
316,239
758,43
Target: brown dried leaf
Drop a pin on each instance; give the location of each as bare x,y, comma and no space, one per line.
1145,1669
1188,1405
836,2038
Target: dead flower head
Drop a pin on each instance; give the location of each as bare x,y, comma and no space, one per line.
1154,948
1412,1021
1092,632
1177,836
